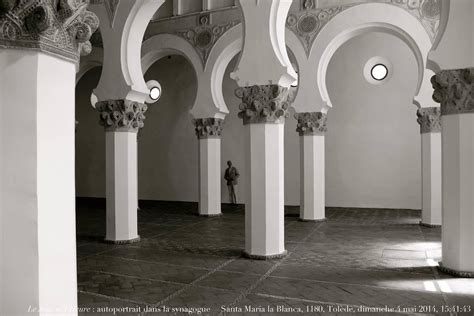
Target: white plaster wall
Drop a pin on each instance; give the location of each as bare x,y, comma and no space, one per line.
90,140
373,145
373,149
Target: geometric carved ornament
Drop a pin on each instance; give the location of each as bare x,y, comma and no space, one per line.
205,35
454,90
263,103
58,27
429,120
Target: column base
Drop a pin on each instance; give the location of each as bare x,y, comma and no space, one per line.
313,220
456,273
122,242
210,215
263,257
429,225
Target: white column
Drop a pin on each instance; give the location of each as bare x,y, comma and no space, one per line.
121,119
430,128
37,191
37,205
311,128
312,177
431,178
264,74
208,132
454,89
264,208
210,176
121,187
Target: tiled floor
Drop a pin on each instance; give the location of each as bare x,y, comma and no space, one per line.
358,259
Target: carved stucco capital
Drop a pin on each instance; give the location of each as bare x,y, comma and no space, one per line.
454,90
58,27
429,120
208,127
311,123
263,104
121,115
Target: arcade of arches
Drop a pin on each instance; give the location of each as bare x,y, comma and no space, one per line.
350,123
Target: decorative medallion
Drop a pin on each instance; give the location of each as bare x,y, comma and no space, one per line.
311,123
306,24
429,120
427,11
208,127
121,115
59,27
263,104
454,90
204,36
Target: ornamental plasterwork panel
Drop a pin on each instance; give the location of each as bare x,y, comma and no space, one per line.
309,20
307,23
59,27
426,11
205,35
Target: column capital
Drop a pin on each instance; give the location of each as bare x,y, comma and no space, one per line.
121,115
311,123
429,119
454,90
263,103
208,127
58,27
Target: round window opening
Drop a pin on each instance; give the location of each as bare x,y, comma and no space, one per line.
379,72
155,93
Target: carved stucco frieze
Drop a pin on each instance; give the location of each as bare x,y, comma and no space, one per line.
208,127
426,11
307,23
429,120
454,90
205,35
59,27
309,20
121,115
263,104
311,123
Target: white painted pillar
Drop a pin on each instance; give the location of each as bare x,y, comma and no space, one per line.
430,129
454,90
208,131
311,128
121,187
37,206
122,119
264,75
264,208
37,191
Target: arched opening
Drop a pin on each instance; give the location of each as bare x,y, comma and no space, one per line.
90,161
167,150
373,145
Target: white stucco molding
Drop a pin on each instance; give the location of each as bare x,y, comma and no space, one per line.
122,76
210,81
264,58
162,45
360,19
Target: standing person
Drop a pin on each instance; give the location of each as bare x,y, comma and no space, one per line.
231,175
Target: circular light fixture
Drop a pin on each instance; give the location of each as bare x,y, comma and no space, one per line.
155,93
379,72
